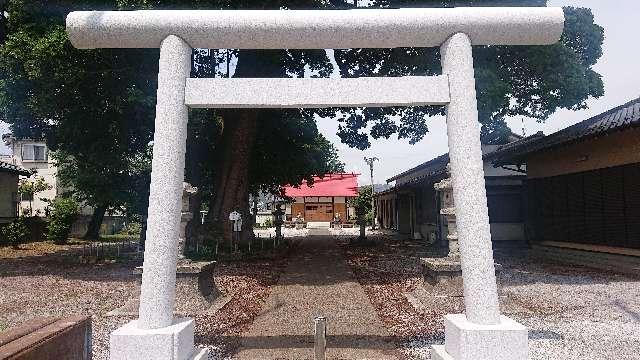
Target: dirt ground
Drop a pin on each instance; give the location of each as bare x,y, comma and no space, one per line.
43,279
572,312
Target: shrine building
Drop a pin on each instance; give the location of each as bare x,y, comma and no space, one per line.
324,200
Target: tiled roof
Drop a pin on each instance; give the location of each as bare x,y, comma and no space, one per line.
13,169
619,118
436,168
434,164
500,152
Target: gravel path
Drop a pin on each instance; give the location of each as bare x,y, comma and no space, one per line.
41,280
572,312
388,272
317,281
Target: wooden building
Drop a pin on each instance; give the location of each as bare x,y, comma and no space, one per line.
324,200
412,206
9,198
583,191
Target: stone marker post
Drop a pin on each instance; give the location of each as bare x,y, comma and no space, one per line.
320,338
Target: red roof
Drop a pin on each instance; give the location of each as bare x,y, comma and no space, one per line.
330,185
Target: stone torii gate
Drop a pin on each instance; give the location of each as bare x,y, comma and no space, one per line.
480,333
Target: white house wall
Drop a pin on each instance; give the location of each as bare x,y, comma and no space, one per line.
44,169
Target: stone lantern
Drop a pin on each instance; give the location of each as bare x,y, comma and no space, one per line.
443,275
277,221
448,212
187,192
195,287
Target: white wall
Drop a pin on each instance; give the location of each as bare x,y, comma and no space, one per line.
47,170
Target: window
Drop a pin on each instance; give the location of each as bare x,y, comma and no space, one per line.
32,152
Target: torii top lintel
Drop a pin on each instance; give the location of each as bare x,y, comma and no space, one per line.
315,29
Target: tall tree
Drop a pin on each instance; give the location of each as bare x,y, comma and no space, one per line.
531,81
47,86
95,108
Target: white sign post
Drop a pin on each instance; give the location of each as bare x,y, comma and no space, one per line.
236,227
479,334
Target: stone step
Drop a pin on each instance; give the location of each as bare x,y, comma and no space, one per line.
318,225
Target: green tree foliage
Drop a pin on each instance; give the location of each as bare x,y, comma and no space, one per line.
62,213
531,81
362,202
96,107
16,233
30,187
364,211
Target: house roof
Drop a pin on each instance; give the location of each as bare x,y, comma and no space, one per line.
436,168
6,167
434,165
617,119
329,185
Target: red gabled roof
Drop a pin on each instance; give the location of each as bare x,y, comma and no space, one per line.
329,185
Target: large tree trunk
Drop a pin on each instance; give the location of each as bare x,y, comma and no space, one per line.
93,230
238,137
232,175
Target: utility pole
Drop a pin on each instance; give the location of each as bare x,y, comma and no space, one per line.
370,161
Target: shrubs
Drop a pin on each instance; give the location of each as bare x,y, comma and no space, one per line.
131,229
17,232
62,214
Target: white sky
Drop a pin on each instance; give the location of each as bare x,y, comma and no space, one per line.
618,67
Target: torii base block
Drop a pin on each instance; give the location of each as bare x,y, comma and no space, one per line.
465,340
174,342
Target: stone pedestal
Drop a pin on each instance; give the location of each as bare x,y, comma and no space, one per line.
465,340
195,289
173,342
438,270
443,276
